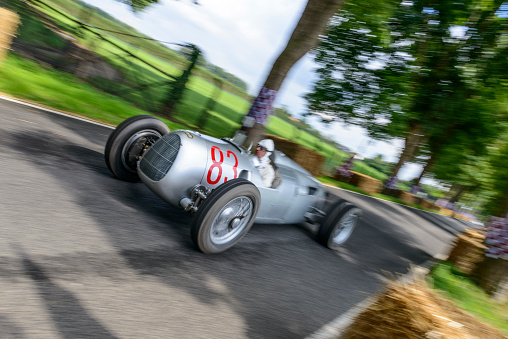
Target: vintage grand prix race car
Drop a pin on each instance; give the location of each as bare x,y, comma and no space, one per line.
215,180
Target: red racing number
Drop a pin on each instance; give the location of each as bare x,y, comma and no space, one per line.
234,166
218,165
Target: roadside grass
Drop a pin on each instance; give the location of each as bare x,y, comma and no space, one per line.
29,80
363,168
468,296
349,187
343,185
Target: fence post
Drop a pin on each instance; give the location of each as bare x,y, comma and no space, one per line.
178,86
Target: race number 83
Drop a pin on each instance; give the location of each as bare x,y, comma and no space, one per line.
215,169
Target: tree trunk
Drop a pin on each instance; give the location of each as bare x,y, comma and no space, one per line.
460,190
426,169
502,207
412,141
305,36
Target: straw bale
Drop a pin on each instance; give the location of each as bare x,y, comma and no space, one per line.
392,192
427,204
445,211
460,216
8,25
476,234
340,177
408,198
467,252
366,183
306,158
416,311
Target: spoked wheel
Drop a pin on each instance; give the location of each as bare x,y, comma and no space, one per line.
338,225
129,141
225,216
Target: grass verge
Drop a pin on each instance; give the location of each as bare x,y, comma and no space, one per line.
349,187
29,80
468,296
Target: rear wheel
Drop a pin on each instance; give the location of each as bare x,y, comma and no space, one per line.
129,141
225,216
338,225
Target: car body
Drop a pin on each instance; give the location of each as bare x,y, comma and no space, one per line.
216,181
210,162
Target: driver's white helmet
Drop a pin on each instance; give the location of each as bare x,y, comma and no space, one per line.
268,144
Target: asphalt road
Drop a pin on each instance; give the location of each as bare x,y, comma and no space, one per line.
84,255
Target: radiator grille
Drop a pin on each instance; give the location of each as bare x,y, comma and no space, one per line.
160,157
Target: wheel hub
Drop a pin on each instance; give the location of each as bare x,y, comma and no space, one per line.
231,220
235,222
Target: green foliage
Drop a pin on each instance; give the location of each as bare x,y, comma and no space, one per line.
468,296
138,5
497,203
408,66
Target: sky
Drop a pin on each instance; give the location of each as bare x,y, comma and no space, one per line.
244,37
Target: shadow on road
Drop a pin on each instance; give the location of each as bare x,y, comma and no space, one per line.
278,279
69,316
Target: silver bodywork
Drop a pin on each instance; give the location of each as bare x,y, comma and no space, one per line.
182,160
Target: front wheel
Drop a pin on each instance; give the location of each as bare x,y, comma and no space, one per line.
338,225
225,216
129,141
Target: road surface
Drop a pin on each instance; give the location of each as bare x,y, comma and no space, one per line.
84,255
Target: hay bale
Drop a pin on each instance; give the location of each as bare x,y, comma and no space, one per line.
408,198
416,311
445,211
342,178
467,252
306,158
392,192
461,216
8,26
366,183
476,234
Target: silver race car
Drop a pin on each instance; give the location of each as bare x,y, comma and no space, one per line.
215,180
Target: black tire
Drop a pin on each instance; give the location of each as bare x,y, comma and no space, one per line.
127,143
218,225
338,224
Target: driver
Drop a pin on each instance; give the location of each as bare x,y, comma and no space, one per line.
262,162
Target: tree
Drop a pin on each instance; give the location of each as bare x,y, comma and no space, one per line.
414,74
497,204
141,5
305,36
